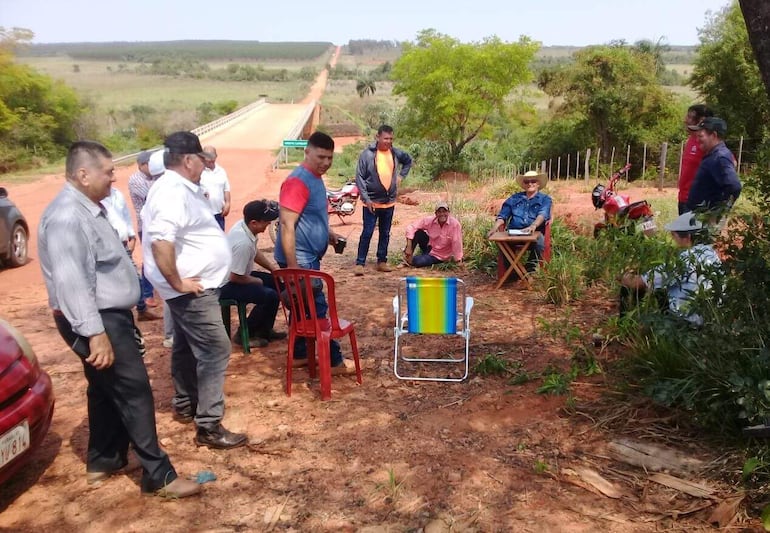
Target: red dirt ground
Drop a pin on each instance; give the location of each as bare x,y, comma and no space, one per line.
385,456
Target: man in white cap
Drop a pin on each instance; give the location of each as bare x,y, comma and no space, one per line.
139,184
439,237
676,285
527,210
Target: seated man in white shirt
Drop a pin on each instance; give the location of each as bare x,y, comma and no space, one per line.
252,286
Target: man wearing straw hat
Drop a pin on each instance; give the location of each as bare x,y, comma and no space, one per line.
527,210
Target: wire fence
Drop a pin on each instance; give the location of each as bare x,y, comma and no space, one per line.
661,162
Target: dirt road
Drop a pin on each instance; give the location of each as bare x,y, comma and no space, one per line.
483,455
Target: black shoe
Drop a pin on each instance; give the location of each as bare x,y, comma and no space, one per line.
271,335
220,438
185,417
255,342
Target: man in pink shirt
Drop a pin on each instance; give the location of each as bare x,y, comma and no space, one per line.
692,155
439,237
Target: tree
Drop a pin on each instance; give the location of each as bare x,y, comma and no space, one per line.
452,89
727,76
37,114
365,86
612,94
756,14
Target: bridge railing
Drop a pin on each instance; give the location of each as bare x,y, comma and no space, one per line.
207,128
294,133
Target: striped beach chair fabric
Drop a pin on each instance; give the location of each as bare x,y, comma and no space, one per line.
432,306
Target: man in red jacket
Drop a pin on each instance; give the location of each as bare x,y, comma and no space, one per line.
692,155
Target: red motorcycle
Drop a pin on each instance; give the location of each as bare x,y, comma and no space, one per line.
619,211
342,202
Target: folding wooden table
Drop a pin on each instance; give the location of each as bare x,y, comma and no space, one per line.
513,248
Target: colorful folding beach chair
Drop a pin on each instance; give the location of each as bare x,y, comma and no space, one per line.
431,306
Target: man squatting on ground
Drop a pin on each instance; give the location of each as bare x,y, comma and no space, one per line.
92,286
439,237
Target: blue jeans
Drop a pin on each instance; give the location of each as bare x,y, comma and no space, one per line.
145,287
422,239
262,316
383,218
199,357
322,308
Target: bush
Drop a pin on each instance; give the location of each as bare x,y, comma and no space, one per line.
721,371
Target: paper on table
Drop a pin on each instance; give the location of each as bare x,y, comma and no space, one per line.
519,232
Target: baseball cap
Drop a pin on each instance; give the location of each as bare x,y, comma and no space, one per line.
262,210
442,205
155,164
143,157
185,142
713,124
685,222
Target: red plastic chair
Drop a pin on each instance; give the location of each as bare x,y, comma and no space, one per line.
301,313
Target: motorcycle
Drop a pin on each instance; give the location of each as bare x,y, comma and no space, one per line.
619,211
341,202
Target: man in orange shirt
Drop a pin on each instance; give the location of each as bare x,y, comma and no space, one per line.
378,177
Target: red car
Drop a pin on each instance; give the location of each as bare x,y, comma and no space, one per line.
26,401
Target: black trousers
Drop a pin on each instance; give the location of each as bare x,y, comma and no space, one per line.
121,409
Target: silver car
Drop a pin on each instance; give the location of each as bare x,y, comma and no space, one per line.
14,233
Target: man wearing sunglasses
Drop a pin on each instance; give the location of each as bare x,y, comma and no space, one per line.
187,260
527,210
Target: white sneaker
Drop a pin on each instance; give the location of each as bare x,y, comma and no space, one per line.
168,342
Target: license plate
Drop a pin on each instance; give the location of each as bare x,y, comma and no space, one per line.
13,443
648,225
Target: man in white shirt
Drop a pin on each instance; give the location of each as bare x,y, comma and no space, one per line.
252,286
120,220
214,181
187,259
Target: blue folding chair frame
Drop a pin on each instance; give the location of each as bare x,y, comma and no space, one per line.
431,306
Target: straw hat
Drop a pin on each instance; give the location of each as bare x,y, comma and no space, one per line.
541,178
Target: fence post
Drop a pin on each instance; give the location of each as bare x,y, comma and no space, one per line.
740,154
542,166
558,167
663,152
612,161
681,160
568,165
644,162
577,165
588,158
549,168
598,153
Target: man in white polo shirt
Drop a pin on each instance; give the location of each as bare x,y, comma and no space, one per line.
252,286
187,259
214,180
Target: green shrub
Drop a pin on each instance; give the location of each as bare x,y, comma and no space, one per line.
479,252
719,372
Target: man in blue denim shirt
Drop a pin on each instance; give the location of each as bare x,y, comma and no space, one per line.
527,210
716,185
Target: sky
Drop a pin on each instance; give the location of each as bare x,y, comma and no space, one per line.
551,22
